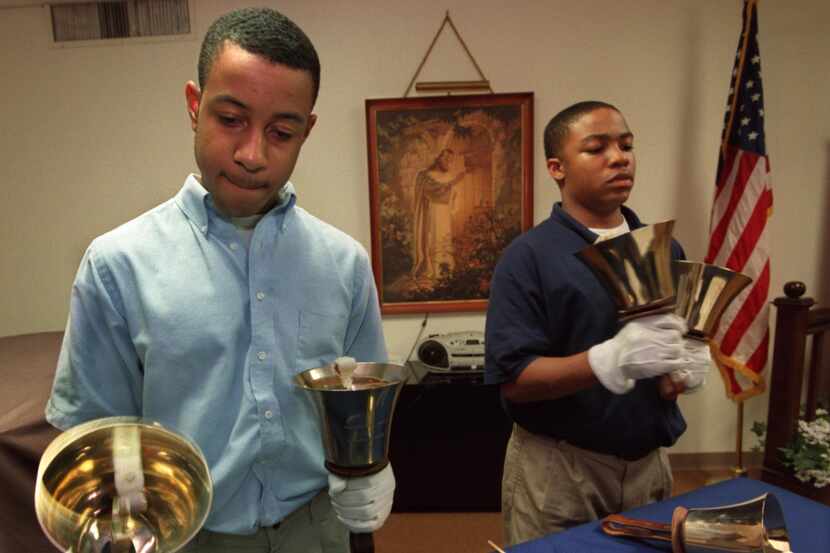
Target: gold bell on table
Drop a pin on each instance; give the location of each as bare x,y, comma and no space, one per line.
754,526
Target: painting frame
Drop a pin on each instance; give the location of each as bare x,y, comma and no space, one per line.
450,185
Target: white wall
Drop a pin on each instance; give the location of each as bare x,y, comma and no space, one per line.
93,136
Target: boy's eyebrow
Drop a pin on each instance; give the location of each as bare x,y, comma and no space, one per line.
289,115
222,98
606,136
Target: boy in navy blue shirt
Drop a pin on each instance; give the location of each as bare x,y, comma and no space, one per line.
590,418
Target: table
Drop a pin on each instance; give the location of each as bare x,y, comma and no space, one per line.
447,444
808,522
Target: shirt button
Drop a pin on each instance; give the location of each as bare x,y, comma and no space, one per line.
261,355
234,246
260,296
268,414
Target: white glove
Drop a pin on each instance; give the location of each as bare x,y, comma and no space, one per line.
363,503
644,348
698,362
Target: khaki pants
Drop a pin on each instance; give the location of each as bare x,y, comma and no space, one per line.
550,485
313,528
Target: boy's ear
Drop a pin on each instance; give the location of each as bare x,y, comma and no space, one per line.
193,99
556,169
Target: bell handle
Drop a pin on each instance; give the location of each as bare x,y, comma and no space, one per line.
362,543
618,525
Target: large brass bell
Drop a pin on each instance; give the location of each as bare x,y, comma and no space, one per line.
704,292
753,526
122,484
636,269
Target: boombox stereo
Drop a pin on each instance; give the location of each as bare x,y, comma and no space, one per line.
455,351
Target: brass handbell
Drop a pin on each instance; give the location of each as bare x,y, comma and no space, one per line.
704,292
122,484
355,411
355,418
636,269
753,526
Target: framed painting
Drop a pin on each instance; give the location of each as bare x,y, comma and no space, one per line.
450,186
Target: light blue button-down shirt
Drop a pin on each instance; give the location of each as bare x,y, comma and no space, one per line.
173,318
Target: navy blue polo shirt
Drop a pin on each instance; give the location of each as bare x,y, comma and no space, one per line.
545,302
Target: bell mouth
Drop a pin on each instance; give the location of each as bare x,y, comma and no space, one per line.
366,376
122,482
754,525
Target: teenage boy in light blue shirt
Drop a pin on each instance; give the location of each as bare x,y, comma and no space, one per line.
199,313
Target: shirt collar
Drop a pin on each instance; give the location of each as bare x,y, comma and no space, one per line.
196,202
559,213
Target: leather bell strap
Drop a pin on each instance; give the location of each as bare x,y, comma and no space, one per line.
619,525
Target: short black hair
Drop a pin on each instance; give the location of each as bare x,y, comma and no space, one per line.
558,127
264,32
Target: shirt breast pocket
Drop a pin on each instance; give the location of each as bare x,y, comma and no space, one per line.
321,338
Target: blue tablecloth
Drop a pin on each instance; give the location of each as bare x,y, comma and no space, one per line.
808,522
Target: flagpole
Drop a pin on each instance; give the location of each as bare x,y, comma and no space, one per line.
744,40
738,469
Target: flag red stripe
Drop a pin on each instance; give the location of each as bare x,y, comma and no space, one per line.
751,233
723,168
747,165
759,357
748,312
725,164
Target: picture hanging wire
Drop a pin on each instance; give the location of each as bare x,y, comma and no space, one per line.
448,86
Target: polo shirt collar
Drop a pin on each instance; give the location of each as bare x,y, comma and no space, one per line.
559,214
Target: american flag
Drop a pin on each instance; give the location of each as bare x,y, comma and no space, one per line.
739,234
